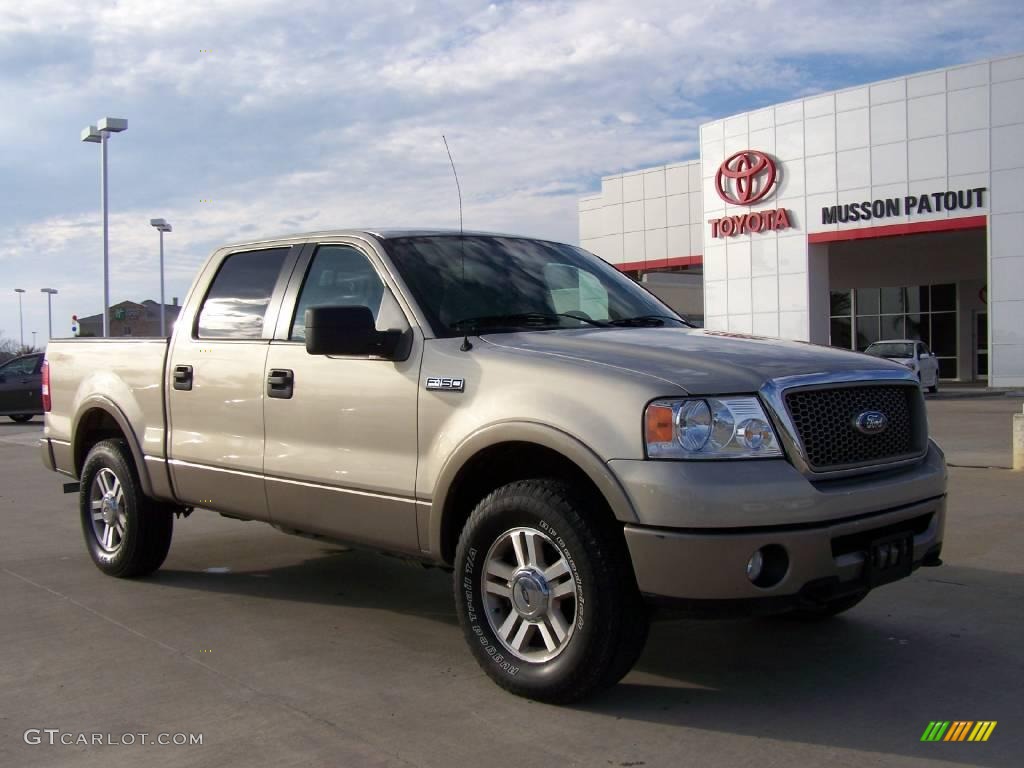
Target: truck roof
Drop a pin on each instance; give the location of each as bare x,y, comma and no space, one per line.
379,233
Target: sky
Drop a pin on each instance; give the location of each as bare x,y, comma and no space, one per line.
251,118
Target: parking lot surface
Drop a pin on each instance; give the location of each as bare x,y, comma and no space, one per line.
286,652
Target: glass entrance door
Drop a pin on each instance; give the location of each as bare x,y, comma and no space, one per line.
981,345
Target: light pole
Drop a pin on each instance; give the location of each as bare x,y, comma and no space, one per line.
21,320
100,135
49,310
161,227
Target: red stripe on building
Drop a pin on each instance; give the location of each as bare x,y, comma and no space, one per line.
675,261
893,230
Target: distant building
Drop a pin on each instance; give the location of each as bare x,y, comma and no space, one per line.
131,319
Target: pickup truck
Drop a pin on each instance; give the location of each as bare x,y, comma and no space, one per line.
519,412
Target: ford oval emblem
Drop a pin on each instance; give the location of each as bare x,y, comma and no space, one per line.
871,422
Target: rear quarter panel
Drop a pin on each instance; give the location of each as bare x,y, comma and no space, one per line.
127,375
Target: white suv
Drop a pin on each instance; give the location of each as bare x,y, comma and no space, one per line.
913,354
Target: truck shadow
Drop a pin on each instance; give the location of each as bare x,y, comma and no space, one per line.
871,680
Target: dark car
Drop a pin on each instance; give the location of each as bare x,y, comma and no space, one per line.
21,381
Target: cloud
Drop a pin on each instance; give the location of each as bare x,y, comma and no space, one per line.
310,114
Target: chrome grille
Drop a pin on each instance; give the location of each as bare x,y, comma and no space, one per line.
824,420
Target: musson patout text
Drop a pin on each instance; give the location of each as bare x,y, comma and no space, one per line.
934,202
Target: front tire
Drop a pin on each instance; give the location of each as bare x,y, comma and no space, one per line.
21,418
127,534
546,597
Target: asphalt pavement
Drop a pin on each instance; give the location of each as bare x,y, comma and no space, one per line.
281,651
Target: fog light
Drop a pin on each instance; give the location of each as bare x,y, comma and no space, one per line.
768,566
754,566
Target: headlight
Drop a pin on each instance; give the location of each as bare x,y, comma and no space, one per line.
709,428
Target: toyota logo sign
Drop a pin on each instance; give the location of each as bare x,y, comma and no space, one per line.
746,177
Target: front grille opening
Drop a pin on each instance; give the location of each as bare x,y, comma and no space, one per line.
824,420
859,542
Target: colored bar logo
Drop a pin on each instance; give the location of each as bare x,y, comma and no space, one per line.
958,730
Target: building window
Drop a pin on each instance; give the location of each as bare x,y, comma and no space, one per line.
862,316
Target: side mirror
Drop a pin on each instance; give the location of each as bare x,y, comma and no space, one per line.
347,331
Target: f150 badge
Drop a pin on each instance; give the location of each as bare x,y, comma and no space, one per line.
446,384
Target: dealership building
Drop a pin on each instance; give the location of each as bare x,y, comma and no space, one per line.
886,211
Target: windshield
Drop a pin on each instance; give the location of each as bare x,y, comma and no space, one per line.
891,349
512,283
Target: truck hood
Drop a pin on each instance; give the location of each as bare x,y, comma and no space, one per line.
701,362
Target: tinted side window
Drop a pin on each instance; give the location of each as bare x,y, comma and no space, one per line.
236,305
342,276
26,366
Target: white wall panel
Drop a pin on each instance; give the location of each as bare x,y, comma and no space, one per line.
677,180
968,152
853,168
821,174
889,163
820,135
888,122
852,99
1008,102
656,244
654,213
632,188
923,85
893,90
633,217
927,157
677,210
1007,147
926,116
654,184
766,324
679,242
852,129
611,190
967,110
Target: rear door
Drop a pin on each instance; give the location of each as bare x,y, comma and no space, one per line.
215,381
341,435
928,364
19,386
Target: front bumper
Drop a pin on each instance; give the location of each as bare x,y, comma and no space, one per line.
823,561
825,529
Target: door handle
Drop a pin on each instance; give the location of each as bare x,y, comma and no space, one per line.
280,383
183,377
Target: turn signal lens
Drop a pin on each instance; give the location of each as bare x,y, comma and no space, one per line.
659,424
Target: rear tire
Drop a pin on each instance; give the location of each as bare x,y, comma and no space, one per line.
546,596
21,418
934,388
127,533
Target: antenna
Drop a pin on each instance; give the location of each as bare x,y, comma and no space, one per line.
466,346
458,187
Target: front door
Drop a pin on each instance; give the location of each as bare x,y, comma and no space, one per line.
215,384
341,431
981,345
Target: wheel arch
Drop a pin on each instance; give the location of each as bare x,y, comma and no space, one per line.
100,419
503,453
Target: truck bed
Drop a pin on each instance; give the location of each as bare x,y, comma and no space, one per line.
126,373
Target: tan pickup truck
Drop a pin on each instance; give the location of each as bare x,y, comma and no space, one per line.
515,410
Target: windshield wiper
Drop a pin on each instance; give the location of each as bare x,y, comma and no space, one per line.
528,319
647,321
